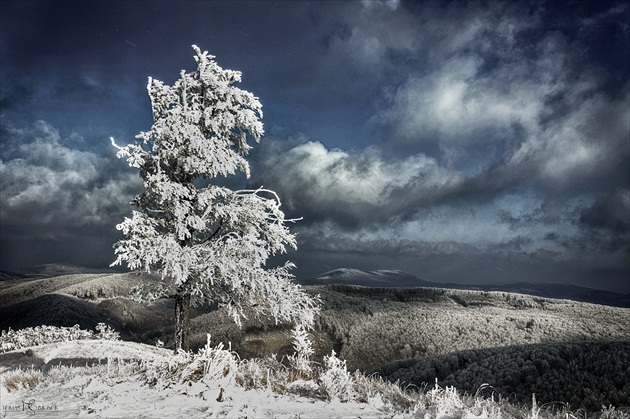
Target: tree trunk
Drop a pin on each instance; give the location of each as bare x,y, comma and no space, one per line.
182,321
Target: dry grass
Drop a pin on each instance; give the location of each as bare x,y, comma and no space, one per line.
22,379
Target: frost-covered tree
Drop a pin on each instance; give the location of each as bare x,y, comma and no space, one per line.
208,242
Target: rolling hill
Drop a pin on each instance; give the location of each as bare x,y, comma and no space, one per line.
379,278
392,330
402,279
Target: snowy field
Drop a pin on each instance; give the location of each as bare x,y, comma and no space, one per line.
106,391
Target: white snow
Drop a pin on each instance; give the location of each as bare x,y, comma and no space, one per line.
105,392
110,399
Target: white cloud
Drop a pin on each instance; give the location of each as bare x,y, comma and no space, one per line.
459,98
537,106
363,185
589,142
49,189
457,107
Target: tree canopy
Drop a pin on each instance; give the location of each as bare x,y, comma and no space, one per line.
207,241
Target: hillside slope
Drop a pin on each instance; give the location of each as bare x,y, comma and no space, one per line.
377,326
583,374
379,278
369,327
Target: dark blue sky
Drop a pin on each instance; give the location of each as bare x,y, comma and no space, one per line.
461,141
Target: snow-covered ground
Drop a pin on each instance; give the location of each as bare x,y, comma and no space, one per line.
97,396
110,390
102,378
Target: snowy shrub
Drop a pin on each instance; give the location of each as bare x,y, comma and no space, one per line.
34,336
610,412
374,390
335,382
215,364
446,401
252,374
300,360
105,331
265,373
211,363
305,388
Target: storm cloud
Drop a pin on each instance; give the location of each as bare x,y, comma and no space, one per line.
469,141
353,189
54,192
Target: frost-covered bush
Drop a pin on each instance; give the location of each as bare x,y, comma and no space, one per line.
335,382
610,412
209,363
106,332
40,335
301,359
372,389
266,373
212,363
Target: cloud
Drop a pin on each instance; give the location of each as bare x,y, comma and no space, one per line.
589,142
507,112
455,110
391,4
350,188
470,95
372,36
364,209
53,191
611,212
361,199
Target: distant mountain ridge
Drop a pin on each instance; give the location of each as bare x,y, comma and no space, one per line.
379,278
402,279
